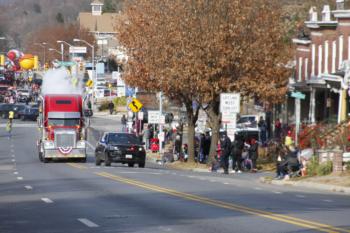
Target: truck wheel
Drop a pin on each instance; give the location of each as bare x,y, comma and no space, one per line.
142,165
108,161
130,164
97,161
83,160
41,156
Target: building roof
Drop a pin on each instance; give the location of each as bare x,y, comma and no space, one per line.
98,23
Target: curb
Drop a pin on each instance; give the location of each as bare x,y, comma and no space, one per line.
309,185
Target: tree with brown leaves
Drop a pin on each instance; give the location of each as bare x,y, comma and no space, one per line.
51,34
195,50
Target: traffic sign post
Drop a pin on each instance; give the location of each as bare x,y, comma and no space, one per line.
230,102
89,83
153,117
135,105
297,96
230,105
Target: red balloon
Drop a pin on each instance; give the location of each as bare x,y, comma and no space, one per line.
11,55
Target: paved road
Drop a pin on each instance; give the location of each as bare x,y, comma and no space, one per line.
78,197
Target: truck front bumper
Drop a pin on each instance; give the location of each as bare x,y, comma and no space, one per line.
74,153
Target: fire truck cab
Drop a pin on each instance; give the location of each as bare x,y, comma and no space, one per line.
62,129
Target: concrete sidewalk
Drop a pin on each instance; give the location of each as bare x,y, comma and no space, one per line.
307,184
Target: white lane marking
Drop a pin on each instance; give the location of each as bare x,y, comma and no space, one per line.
257,188
13,160
328,200
28,187
202,178
277,192
173,173
91,146
87,222
46,200
212,180
300,196
20,178
226,183
190,176
16,173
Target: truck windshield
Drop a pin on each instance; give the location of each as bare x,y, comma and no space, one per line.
64,122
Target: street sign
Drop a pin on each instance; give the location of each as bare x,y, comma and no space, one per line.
162,119
77,49
161,136
140,116
228,117
230,102
135,105
120,91
153,117
89,83
298,95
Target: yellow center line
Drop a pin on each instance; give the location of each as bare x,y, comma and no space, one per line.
278,217
76,166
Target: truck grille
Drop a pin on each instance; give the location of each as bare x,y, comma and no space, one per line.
65,139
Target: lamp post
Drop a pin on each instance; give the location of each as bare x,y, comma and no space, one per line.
43,45
55,50
93,63
64,42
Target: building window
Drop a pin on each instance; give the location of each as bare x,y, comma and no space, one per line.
97,8
320,54
306,68
313,48
300,68
341,46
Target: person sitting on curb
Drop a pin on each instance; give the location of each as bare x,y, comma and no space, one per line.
290,165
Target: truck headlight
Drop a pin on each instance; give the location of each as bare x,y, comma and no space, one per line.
49,145
81,144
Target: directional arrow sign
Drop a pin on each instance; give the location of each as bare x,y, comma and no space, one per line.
135,105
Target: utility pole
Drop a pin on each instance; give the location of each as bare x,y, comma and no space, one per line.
161,125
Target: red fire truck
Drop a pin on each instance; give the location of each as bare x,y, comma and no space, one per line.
62,134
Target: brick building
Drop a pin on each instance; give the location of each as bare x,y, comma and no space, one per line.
322,64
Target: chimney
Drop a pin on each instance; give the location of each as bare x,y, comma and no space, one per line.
326,13
313,14
340,4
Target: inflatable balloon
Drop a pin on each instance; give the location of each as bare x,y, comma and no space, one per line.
27,62
11,55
